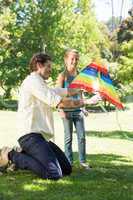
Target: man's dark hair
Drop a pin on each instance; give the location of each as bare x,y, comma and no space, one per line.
38,58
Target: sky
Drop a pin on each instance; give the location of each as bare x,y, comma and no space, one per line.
104,12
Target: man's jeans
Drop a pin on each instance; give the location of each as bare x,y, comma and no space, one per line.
40,156
77,119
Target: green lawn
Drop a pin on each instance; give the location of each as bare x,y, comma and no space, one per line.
110,179
109,152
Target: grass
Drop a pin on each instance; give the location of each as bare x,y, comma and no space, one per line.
106,181
126,135
111,178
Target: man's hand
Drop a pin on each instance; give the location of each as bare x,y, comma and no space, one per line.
93,100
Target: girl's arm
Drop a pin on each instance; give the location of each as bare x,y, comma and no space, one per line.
60,80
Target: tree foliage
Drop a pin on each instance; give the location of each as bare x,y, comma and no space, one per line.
125,42
125,31
125,71
42,25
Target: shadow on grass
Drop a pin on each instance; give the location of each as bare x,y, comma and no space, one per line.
109,179
112,134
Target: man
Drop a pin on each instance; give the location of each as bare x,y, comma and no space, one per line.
36,125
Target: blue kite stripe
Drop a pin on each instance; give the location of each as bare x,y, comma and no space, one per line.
106,79
90,72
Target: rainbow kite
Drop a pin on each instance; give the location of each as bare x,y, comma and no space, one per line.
95,78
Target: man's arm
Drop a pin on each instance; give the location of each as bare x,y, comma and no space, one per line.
66,91
69,103
39,89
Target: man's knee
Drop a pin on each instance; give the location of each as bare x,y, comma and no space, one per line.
54,176
54,170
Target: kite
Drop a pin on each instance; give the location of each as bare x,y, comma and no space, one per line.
96,79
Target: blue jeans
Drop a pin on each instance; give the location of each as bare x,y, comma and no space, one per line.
76,118
41,157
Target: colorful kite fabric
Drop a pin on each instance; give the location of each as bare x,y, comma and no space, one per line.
95,78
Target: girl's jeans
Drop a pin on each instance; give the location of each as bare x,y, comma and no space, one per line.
76,118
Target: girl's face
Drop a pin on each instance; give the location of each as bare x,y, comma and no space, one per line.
71,61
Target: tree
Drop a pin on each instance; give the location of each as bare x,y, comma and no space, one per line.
50,26
125,31
7,18
125,42
125,70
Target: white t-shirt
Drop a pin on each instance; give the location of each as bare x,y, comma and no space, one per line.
34,108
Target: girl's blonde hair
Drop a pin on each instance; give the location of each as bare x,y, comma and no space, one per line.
68,51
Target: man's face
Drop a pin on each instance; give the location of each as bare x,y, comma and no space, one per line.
71,60
45,69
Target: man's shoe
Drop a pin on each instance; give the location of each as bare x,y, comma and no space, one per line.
85,166
11,167
4,156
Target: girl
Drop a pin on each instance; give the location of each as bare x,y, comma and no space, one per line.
72,116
